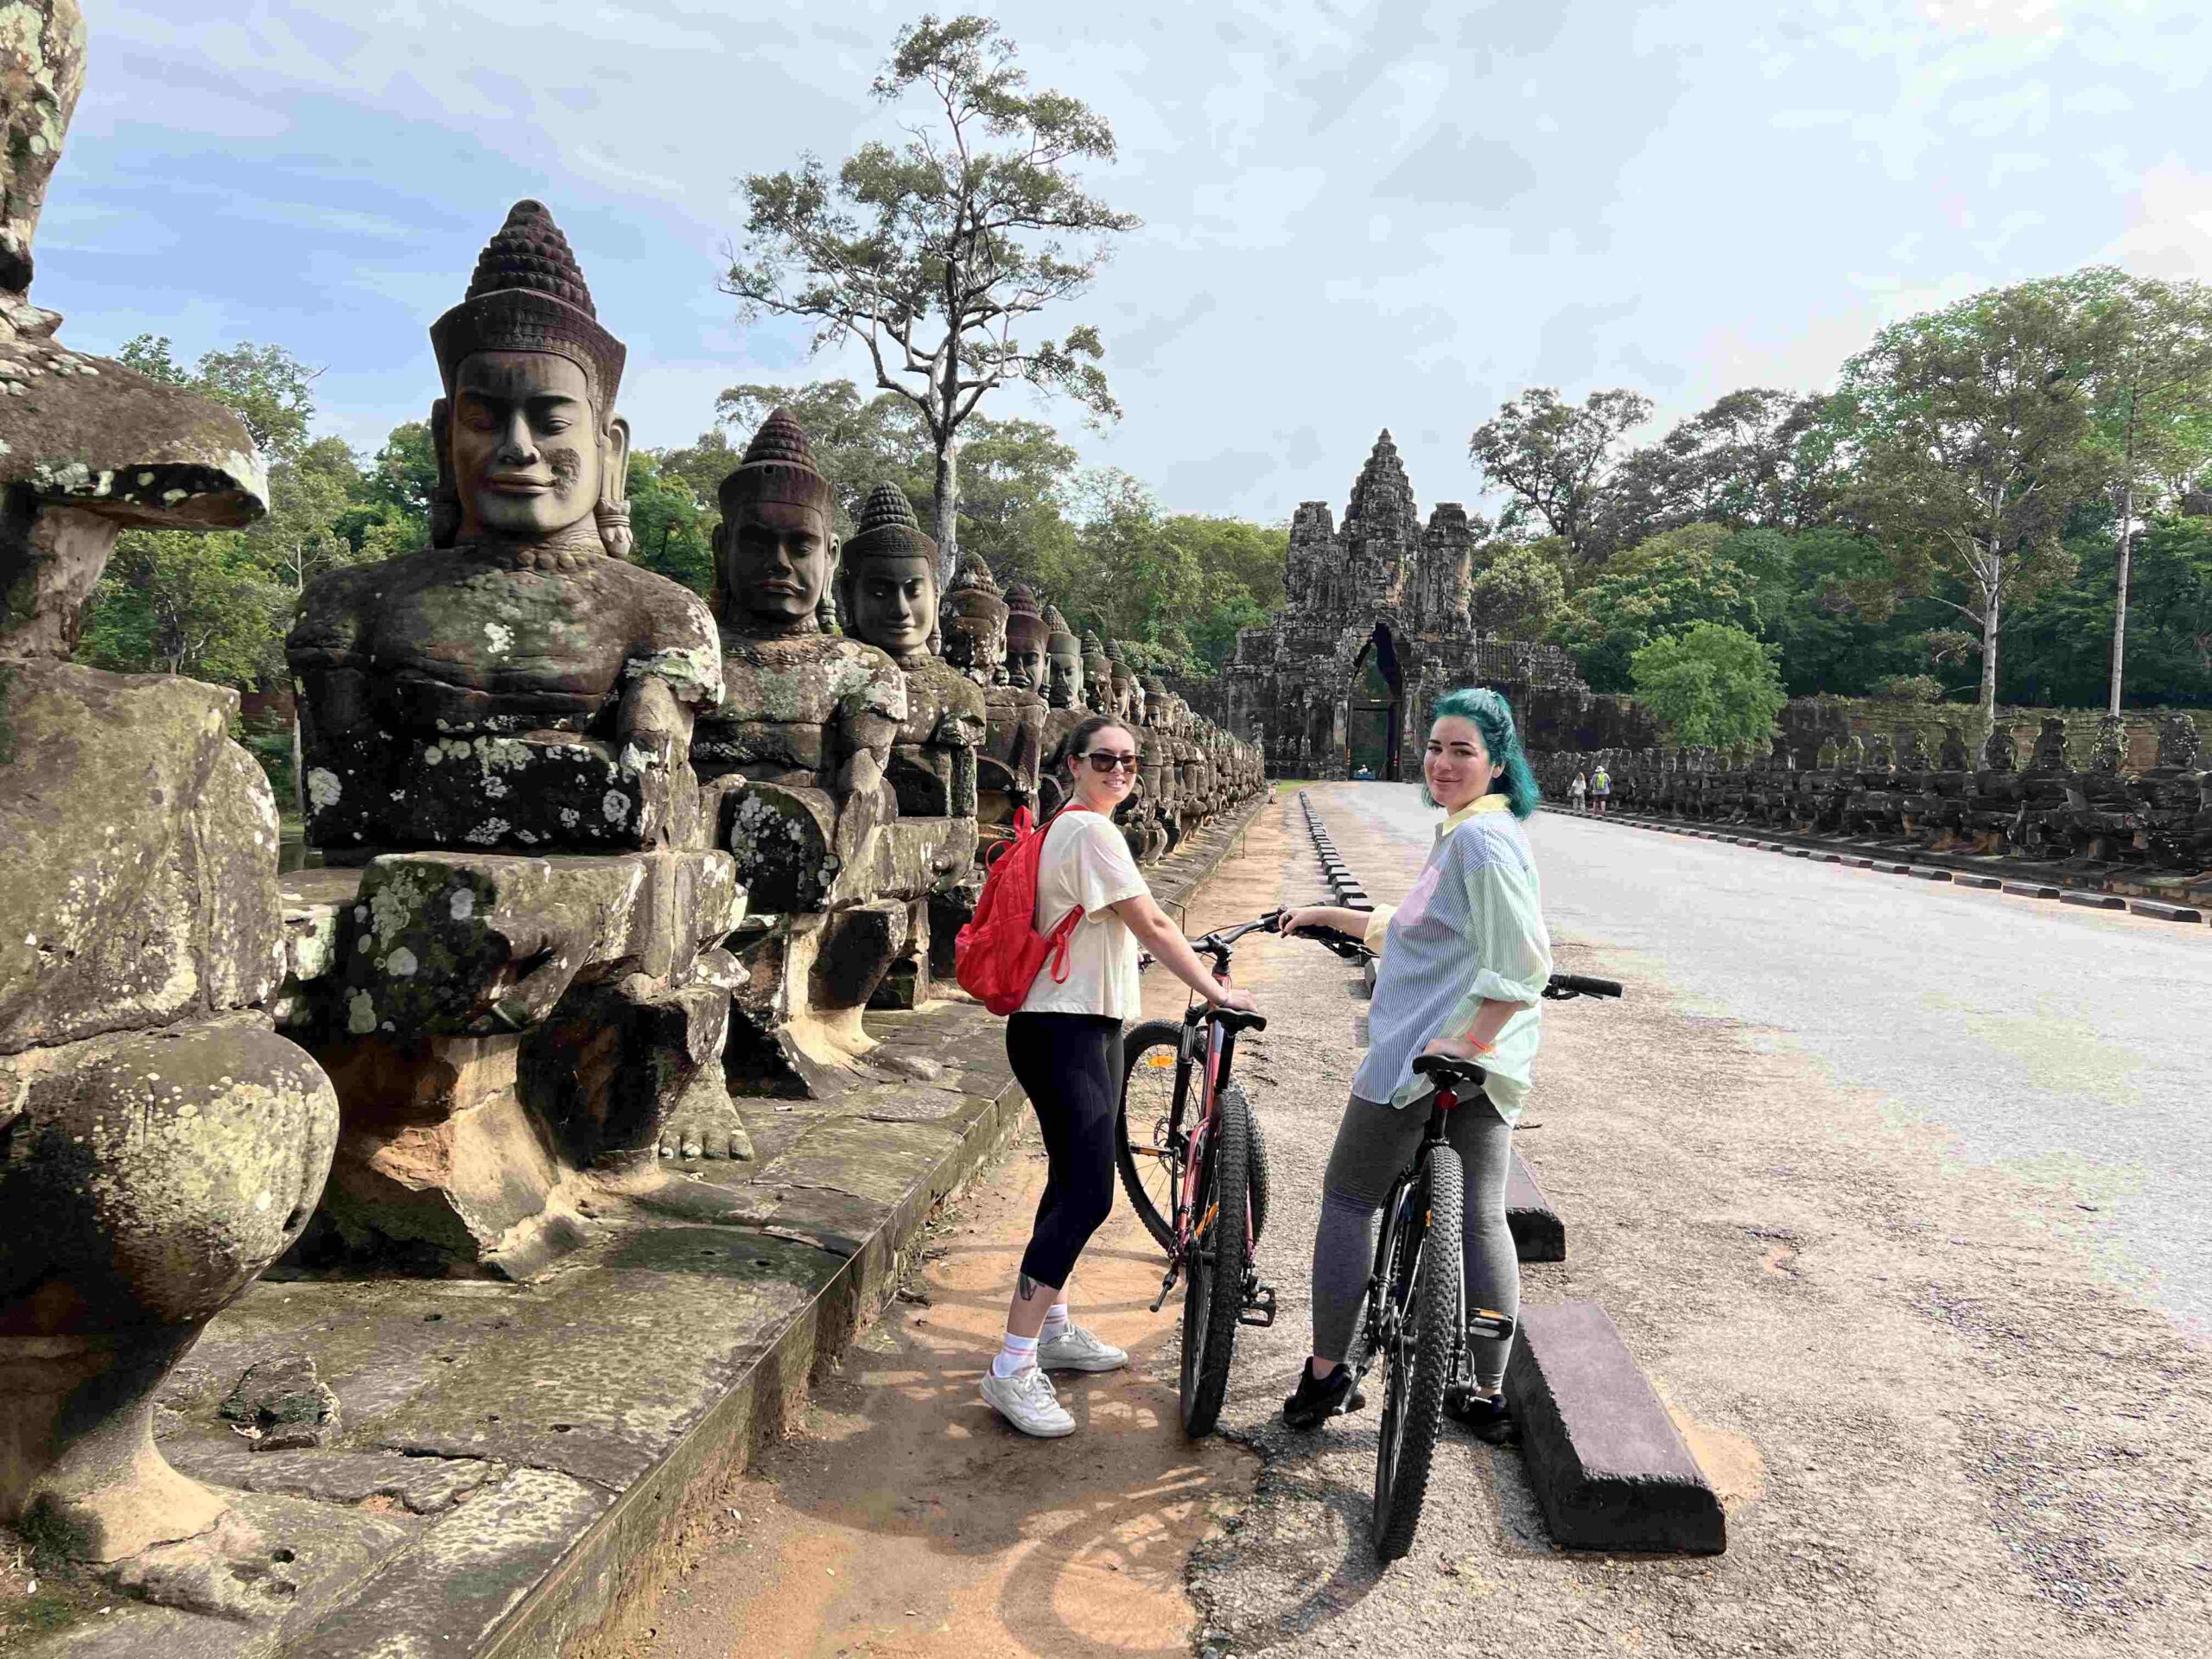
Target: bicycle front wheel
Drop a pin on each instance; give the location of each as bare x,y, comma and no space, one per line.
1424,1281
1220,1250
1150,1135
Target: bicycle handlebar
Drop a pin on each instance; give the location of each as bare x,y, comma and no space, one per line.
1563,986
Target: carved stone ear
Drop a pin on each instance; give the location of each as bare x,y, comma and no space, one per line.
614,462
612,511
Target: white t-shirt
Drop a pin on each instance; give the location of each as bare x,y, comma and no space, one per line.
1086,863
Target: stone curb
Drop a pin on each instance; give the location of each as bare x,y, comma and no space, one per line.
2166,913
1539,1235
1610,1469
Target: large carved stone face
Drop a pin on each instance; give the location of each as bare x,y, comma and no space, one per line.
1066,689
526,449
974,642
1024,666
893,602
775,560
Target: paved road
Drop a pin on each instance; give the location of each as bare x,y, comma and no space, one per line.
1894,1194
2067,1045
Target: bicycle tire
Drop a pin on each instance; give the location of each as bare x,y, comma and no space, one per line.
1260,1182
1213,1276
1152,1189
1421,1364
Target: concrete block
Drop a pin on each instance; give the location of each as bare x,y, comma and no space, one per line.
1799,852
1928,874
2166,913
1610,1470
1980,883
2031,890
1539,1235
2093,900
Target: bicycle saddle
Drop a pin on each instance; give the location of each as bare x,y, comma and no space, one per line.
1446,1069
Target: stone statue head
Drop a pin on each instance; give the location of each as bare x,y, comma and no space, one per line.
1912,749
2050,745
973,621
887,578
774,548
1026,637
1063,658
2109,754
528,443
1879,754
1155,700
1998,753
1952,755
1097,676
2180,741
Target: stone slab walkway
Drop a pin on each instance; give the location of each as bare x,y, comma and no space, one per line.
513,1464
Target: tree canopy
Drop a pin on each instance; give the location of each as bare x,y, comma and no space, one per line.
935,257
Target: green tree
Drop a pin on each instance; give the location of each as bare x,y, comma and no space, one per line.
671,527
1744,462
1970,438
265,386
932,255
1710,684
1520,593
312,496
1664,585
1558,460
2152,391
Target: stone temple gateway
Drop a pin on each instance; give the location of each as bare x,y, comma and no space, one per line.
1374,628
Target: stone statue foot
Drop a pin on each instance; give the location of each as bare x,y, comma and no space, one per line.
704,1122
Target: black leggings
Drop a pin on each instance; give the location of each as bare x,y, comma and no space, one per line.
1069,1065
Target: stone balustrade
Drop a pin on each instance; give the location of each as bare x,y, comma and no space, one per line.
2028,802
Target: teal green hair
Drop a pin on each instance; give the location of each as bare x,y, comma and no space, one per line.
1493,718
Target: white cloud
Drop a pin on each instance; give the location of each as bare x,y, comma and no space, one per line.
2169,224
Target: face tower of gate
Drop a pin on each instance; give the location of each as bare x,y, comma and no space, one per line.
1373,629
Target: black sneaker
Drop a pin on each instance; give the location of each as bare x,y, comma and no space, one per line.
1315,1401
1483,1415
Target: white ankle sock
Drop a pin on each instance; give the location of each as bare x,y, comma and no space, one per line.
1055,1323
1015,1354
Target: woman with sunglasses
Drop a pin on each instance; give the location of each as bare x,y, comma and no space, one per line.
1066,1046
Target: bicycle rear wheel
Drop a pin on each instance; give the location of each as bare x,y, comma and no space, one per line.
1213,1277
1424,1281
1149,1136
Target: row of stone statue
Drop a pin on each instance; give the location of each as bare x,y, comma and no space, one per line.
2159,817
601,856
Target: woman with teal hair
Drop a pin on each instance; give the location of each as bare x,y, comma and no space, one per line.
1463,963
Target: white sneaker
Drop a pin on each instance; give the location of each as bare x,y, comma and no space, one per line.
1027,1400
1077,1350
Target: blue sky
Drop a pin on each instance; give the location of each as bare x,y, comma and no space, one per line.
1356,215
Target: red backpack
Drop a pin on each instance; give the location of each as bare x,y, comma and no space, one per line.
1000,952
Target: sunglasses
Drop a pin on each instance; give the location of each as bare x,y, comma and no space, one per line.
1102,760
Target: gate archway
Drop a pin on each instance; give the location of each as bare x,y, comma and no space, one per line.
1375,711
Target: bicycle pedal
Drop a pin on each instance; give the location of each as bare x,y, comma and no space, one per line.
1259,1309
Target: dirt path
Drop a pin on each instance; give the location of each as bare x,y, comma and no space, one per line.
904,1518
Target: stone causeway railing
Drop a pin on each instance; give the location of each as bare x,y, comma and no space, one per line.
2146,832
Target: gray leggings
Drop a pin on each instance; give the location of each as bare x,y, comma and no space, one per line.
1374,1144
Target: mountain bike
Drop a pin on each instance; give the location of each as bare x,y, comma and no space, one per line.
1415,1325
1195,1169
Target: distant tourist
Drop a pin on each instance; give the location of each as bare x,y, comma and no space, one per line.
1601,785
1363,775
1577,792
1065,1048
1463,961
